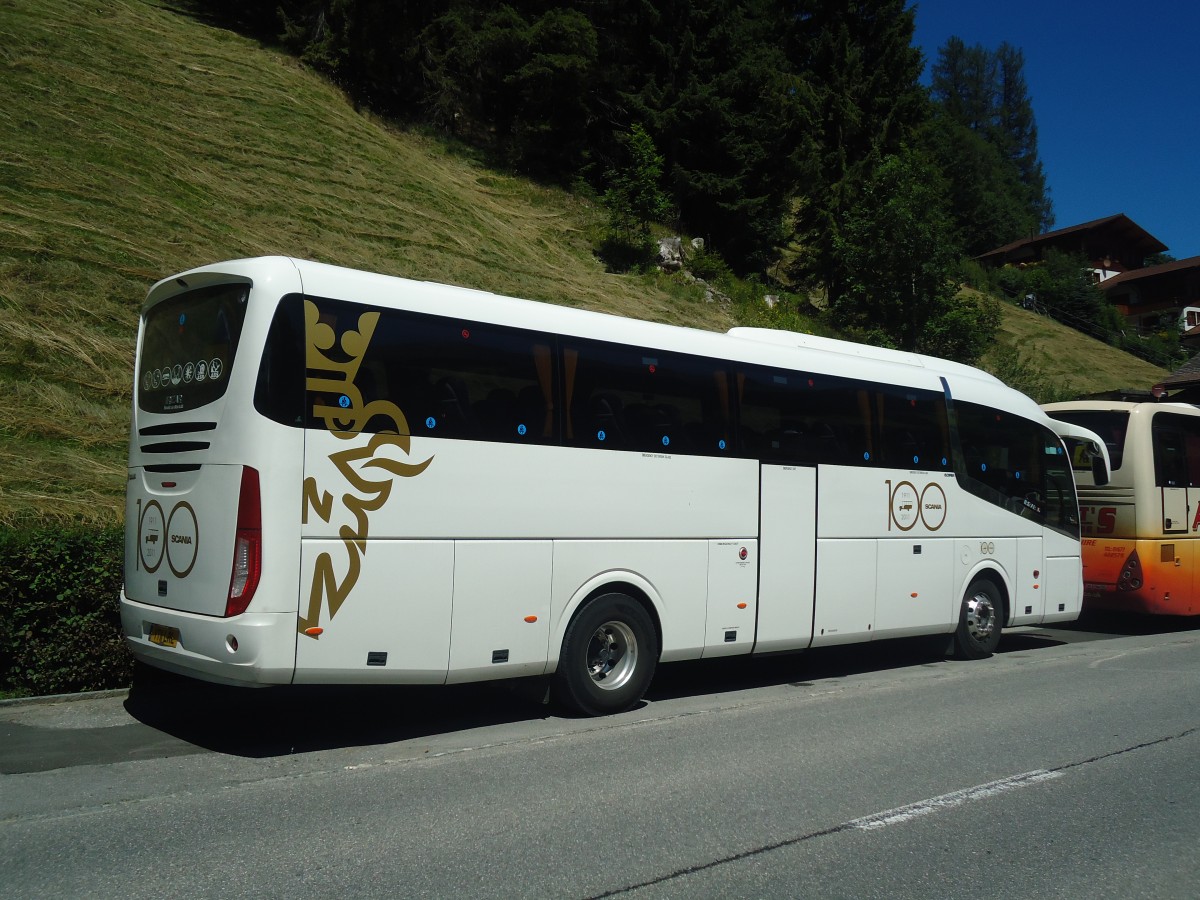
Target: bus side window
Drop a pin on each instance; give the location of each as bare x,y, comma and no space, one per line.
804,418
487,383
1176,440
1059,501
279,393
629,398
452,378
913,429
1191,440
1016,464
1170,456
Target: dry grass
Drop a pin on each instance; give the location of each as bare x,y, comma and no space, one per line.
136,141
1080,364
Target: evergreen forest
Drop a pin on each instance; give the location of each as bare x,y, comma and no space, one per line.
794,136
525,149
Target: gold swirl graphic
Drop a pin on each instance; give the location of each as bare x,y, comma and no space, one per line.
328,377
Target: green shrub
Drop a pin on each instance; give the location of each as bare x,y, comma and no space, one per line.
962,329
59,603
1018,371
621,252
707,264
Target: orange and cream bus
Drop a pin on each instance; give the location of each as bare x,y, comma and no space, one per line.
1141,531
336,476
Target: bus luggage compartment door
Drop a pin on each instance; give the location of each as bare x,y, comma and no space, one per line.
788,547
501,617
384,618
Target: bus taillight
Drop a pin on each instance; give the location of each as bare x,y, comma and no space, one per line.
247,547
1131,574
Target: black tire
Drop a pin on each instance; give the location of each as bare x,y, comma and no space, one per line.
979,621
609,654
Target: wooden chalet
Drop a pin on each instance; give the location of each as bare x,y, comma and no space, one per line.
1112,245
1156,296
1116,248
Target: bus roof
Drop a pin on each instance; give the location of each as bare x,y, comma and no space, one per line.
1186,409
764,346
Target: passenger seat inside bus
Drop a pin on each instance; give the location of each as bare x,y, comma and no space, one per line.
606,411
455,416
535,412
497,415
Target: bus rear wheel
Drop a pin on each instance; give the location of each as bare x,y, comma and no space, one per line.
609,654
979,621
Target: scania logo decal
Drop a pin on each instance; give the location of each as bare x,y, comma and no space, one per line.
175,536
907,506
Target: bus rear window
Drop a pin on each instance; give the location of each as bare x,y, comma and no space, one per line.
188,348
1110,425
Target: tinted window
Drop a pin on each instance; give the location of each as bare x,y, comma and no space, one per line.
385,370
806,418
279,394
628,398
913,427
1176,450
1017,464
796,417
188,348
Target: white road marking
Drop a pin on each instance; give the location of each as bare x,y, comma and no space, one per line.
912,811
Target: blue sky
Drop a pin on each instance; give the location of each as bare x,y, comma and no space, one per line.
1116,94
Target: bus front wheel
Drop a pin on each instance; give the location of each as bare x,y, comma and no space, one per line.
609,654
979,621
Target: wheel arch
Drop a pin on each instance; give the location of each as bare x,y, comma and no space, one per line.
628,583
1000,581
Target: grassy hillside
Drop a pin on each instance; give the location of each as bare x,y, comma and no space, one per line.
1081,364
136,141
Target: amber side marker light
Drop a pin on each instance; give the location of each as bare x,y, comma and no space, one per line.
531,619
314,631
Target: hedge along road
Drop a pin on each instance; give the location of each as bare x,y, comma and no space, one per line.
1057,767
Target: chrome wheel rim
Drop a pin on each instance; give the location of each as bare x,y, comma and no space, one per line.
981,617
612,655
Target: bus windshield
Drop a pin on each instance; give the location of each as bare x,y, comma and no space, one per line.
188,347
1111,425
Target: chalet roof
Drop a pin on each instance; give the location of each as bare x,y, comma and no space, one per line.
1119,226
1188,373
1179,265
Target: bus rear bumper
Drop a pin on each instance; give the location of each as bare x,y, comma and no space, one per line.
250,649
1106,598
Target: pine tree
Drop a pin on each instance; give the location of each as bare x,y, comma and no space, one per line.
727,110
635,197
896,249
984,93
1017,131
859,58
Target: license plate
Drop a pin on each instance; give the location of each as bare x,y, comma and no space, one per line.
164,636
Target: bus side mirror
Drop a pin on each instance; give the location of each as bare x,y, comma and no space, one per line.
1099,471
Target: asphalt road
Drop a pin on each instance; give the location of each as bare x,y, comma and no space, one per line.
1065,766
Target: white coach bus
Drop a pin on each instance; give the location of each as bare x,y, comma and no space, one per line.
341,477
